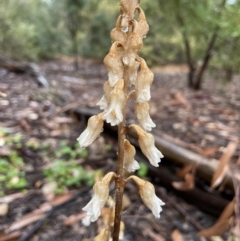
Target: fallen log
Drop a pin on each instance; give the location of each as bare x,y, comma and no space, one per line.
29,68
175,153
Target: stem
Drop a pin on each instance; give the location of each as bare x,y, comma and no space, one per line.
119,180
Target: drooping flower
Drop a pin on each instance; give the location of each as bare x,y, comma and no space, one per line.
113,63
147,145
100,196
147,193
143,117
93,130
113,114
130,164
117,34
143,82
104,101
143,26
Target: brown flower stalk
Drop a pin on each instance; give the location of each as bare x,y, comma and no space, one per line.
125,69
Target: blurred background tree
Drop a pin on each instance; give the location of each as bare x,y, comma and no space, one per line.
182,31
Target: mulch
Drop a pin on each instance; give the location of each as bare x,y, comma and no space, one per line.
204,121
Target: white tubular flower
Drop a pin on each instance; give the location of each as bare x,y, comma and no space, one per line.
147,145
143,82
147,193
103,103
93,130
143,117
130,164
100,196
114,63
113,114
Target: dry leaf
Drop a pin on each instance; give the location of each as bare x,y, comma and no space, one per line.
74,218
10,236
60,199
25,221
228,211
223,165
186,185
183,171
217,229
12,197
176,235
3,209
181,99
154,236
209,151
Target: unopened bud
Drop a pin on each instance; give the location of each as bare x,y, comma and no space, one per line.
117,34
130,164
104,235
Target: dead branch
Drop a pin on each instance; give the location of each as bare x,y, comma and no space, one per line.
29,68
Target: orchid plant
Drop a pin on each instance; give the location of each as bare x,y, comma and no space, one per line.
128,78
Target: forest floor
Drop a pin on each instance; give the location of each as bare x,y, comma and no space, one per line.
39,127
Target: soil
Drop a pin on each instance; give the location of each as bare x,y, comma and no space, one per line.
205,121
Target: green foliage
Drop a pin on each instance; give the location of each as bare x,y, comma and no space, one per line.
143,171
68,174
65,171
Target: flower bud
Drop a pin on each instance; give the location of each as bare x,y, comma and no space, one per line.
143,82
147,145
100,196
117,34
142,113
128,7
134,44
143,26
114,63
149,198
129,163
113,114
93,130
